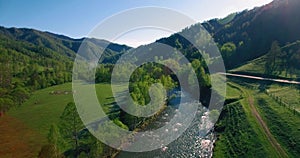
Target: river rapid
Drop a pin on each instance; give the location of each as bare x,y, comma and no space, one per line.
196,141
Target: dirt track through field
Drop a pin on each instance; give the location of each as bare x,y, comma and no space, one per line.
266,130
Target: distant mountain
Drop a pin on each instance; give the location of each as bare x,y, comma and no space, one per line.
252,32
60,44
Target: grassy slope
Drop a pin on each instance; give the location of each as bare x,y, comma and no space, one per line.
257,66
43,108
282,122
37,114
240,137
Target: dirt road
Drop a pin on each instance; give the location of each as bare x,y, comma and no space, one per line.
267,132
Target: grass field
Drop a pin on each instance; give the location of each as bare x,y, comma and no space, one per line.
43,108
236,136
282,122
288,94
238,132
26,127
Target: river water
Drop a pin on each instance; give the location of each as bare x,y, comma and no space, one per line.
196,141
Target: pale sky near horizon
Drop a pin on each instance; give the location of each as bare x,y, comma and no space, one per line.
77,18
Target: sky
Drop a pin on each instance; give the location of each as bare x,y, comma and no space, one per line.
76,18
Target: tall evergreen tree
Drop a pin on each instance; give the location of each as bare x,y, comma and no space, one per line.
70,126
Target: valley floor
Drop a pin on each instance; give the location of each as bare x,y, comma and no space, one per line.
256,124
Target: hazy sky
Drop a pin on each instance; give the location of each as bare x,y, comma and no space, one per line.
76,18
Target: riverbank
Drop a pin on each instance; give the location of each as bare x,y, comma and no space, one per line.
141,128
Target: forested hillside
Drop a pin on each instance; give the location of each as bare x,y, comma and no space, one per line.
278,62
32,60
249,34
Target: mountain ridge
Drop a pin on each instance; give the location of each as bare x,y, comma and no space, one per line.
251,32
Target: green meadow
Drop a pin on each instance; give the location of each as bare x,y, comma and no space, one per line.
44,108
